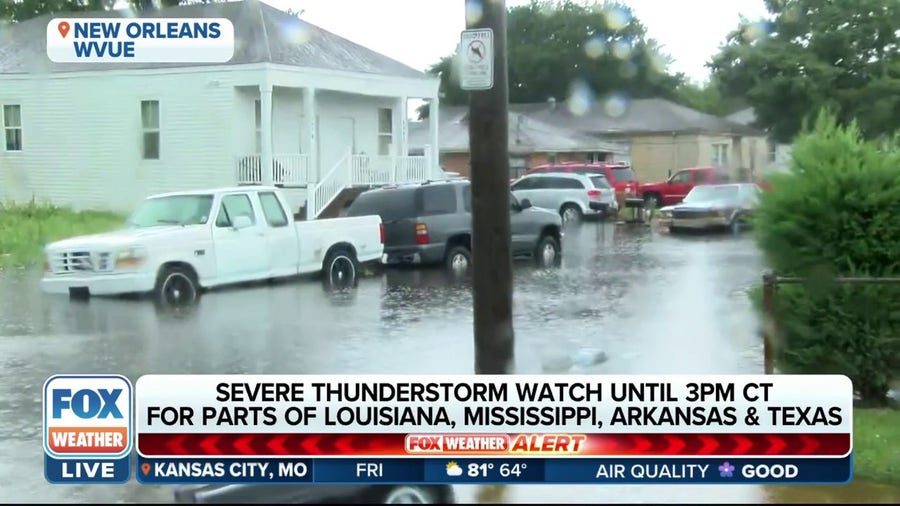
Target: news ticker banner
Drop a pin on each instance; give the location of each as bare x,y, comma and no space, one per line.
366,428
137,40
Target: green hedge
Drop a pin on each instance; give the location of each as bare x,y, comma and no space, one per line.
837,213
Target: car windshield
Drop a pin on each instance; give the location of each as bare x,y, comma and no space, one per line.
391,205
174,210
600,182
708,193
623,174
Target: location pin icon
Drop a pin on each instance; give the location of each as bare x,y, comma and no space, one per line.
63,28
145,468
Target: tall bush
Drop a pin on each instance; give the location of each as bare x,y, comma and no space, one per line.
837,213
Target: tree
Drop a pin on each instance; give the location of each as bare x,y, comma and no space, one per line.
706,97
833,215
21,10
840,54
560,47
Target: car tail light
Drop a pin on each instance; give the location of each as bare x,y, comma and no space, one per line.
594,194
421,233
381,232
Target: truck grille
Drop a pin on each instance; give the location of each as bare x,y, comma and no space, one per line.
65,262
693,213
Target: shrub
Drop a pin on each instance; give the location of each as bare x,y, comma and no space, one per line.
837,213
26,228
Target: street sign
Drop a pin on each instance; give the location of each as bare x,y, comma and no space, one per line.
476,59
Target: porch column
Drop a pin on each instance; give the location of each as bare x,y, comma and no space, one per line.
433,120
402,115
309,110
265,134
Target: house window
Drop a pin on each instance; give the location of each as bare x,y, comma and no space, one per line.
150,129
257,114
720,154
773,151
385,131
12,127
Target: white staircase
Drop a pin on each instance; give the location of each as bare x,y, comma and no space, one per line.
360,171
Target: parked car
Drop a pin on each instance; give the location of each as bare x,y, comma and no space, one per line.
176,244
314,494
620,175
431,223
679,184
724,206
571,195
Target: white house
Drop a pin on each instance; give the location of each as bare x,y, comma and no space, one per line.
779,154
296,106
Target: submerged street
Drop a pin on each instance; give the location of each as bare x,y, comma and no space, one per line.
651,303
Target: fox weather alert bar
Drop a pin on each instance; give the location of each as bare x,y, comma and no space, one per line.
394,429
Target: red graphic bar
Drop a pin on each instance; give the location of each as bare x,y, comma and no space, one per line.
550,445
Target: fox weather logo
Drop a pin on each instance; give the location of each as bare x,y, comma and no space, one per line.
87,424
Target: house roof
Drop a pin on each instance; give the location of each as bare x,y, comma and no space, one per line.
744,116
641,116
526,135
262,34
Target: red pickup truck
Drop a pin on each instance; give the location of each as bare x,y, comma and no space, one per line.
671,192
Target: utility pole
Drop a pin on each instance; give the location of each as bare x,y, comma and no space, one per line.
484,72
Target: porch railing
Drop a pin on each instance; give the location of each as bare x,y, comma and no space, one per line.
329,187
287,170
378,170
295,170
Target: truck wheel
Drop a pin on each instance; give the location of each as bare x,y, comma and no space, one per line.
651,201
547,253
176,286
458,260
340,270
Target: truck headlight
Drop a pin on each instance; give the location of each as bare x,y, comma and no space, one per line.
131,258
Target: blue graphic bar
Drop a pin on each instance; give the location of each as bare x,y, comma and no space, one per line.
387,471
68,471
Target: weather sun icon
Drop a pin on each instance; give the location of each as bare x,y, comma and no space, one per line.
453,469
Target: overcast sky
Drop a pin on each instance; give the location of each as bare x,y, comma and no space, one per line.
420,32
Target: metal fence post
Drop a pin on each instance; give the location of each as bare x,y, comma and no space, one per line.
768,302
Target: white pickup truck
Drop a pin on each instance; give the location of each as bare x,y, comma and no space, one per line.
177,244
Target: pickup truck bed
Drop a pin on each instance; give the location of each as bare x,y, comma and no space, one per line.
177,244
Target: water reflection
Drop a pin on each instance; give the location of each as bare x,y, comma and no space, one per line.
651,303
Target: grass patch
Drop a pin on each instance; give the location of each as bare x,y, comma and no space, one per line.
876,439
26,228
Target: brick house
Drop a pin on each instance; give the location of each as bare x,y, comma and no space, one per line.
531,142
664,136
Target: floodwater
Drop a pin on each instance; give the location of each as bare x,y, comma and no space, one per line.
652,303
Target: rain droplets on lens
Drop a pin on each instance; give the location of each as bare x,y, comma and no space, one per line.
621,49
752,32
616,105
595,47
296,31
581,98
617,17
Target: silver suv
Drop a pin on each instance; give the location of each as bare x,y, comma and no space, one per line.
572,195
